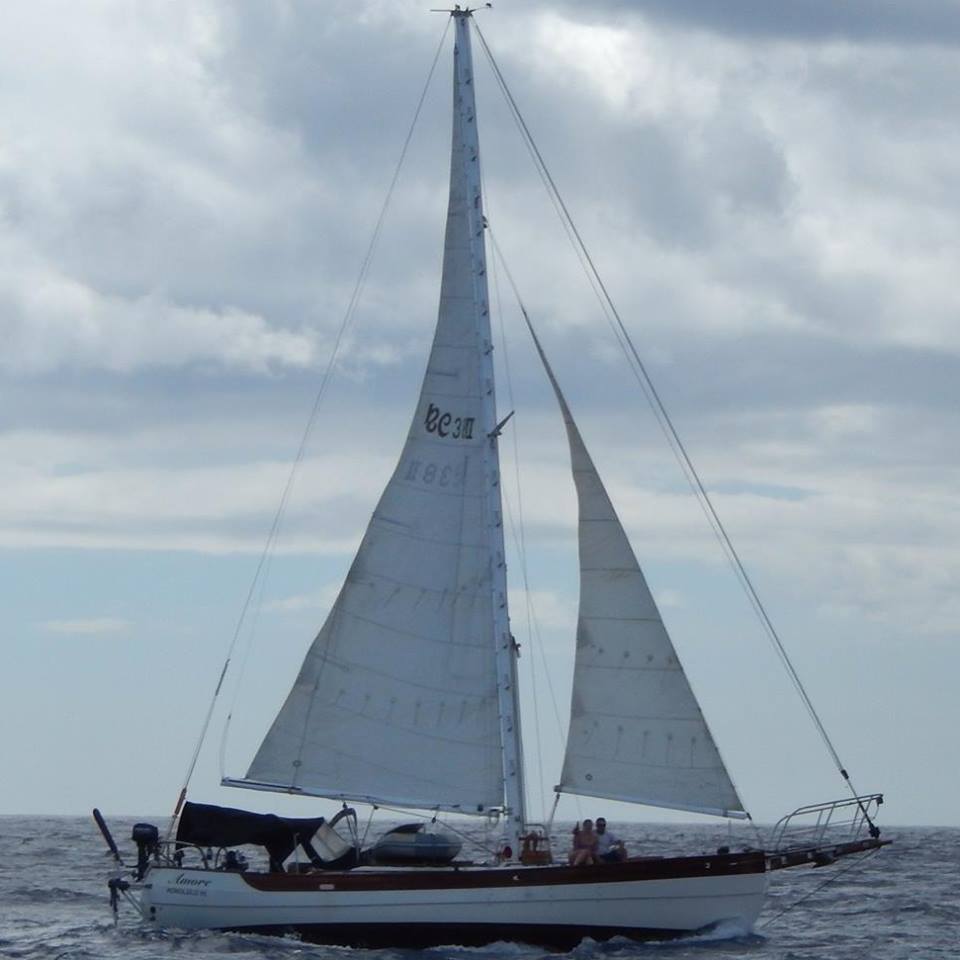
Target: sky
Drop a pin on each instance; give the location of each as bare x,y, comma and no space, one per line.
187,194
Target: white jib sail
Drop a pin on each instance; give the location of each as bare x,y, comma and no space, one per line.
396,701
636,730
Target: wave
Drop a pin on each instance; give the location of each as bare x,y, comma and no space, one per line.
52,895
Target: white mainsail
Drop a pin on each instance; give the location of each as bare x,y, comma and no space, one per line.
636,730
397,699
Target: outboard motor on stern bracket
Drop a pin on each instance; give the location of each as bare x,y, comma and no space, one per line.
147,838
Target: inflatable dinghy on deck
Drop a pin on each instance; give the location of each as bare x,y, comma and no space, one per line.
414,844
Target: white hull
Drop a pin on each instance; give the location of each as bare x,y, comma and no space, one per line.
548,905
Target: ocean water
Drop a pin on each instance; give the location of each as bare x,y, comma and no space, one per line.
903,902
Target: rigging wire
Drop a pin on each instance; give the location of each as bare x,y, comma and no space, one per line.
498,256
518,532
520,540
660,412
311,420
251,632
855,864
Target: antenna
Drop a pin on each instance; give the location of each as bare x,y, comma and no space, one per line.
462,11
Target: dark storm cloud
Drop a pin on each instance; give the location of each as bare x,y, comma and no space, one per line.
886,21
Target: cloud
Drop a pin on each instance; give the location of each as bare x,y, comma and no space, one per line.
775,219
49,322
768,199
151,214
63,495
312,602
935,22
88,627
547,609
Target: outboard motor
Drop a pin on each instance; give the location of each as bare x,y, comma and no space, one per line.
147,838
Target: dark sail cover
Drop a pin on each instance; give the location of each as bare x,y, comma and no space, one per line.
207,825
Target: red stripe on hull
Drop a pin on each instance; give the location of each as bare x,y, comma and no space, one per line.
665,868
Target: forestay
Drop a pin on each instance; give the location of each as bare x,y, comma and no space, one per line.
396,701
636,730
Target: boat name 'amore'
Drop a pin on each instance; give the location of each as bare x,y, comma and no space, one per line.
191,886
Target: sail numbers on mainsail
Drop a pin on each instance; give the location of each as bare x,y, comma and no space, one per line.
443,475
445,424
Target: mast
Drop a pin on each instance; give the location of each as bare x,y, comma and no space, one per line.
506,648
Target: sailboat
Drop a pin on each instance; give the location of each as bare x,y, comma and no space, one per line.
408,699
